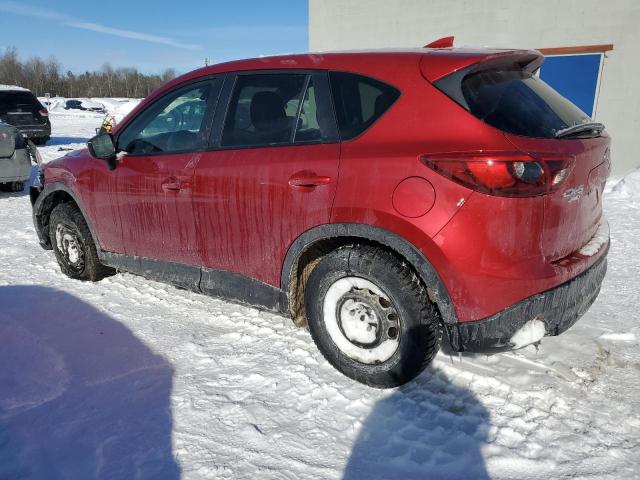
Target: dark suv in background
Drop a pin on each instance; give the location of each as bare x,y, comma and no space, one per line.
20,108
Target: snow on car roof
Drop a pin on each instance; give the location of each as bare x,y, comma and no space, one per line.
13,88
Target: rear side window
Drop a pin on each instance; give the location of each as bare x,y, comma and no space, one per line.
13,100
264,109
518,102
359,101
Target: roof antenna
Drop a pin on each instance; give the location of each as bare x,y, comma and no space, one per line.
444,42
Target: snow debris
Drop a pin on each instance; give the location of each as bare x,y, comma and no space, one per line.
600,238
618,337
530,332
628,186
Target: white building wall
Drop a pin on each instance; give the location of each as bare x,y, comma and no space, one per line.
353,24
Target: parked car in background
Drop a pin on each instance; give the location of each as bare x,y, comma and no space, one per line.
380,198
85,105
20,108
16,156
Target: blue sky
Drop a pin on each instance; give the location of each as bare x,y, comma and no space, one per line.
152,35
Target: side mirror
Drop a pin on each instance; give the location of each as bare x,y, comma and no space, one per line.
101,146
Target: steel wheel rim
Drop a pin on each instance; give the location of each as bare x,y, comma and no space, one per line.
70,247
361,320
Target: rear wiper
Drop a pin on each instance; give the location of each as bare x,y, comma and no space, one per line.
595,127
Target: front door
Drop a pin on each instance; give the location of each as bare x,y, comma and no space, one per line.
155,176
272,176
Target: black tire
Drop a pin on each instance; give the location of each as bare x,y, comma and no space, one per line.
418,329
74,230
17,186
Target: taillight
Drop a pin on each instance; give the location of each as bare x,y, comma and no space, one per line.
44,112
503,174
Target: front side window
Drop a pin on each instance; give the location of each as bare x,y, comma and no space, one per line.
175,123
359,101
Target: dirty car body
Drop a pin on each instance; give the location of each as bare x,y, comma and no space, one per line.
447,158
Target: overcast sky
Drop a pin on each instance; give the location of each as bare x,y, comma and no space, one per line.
152,35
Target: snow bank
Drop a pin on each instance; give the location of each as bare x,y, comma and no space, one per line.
629,186
118,107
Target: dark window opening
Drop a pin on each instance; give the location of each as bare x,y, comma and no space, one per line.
10,101
359,102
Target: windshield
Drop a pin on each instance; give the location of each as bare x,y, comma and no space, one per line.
519,102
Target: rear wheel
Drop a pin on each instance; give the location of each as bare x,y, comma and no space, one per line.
370,316
73,245
17,186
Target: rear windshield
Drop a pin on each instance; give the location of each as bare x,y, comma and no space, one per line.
518,102
11,100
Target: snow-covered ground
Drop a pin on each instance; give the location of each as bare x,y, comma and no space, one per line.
129,378
117,107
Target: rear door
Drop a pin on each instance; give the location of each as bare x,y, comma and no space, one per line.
155,178
272,175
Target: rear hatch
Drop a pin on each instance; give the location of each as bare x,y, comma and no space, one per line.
505,93
21,109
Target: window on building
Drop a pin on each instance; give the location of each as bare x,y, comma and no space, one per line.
574,77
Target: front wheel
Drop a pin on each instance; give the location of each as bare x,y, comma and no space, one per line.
370,316
73,245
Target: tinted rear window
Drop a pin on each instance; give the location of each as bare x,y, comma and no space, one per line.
359,101
11,100
518,102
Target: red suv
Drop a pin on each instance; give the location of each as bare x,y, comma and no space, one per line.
380,198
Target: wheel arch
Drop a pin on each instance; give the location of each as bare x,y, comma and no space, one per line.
52,195
311,246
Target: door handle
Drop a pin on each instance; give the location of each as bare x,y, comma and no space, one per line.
173,184
309,180
170,185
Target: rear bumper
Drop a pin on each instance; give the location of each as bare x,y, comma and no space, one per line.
35,131
559,308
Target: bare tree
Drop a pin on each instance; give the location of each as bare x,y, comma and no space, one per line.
47,76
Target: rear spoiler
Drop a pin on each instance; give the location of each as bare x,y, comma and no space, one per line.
436,64
450,83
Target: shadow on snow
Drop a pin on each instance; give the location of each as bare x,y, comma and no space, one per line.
428,429
80,396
